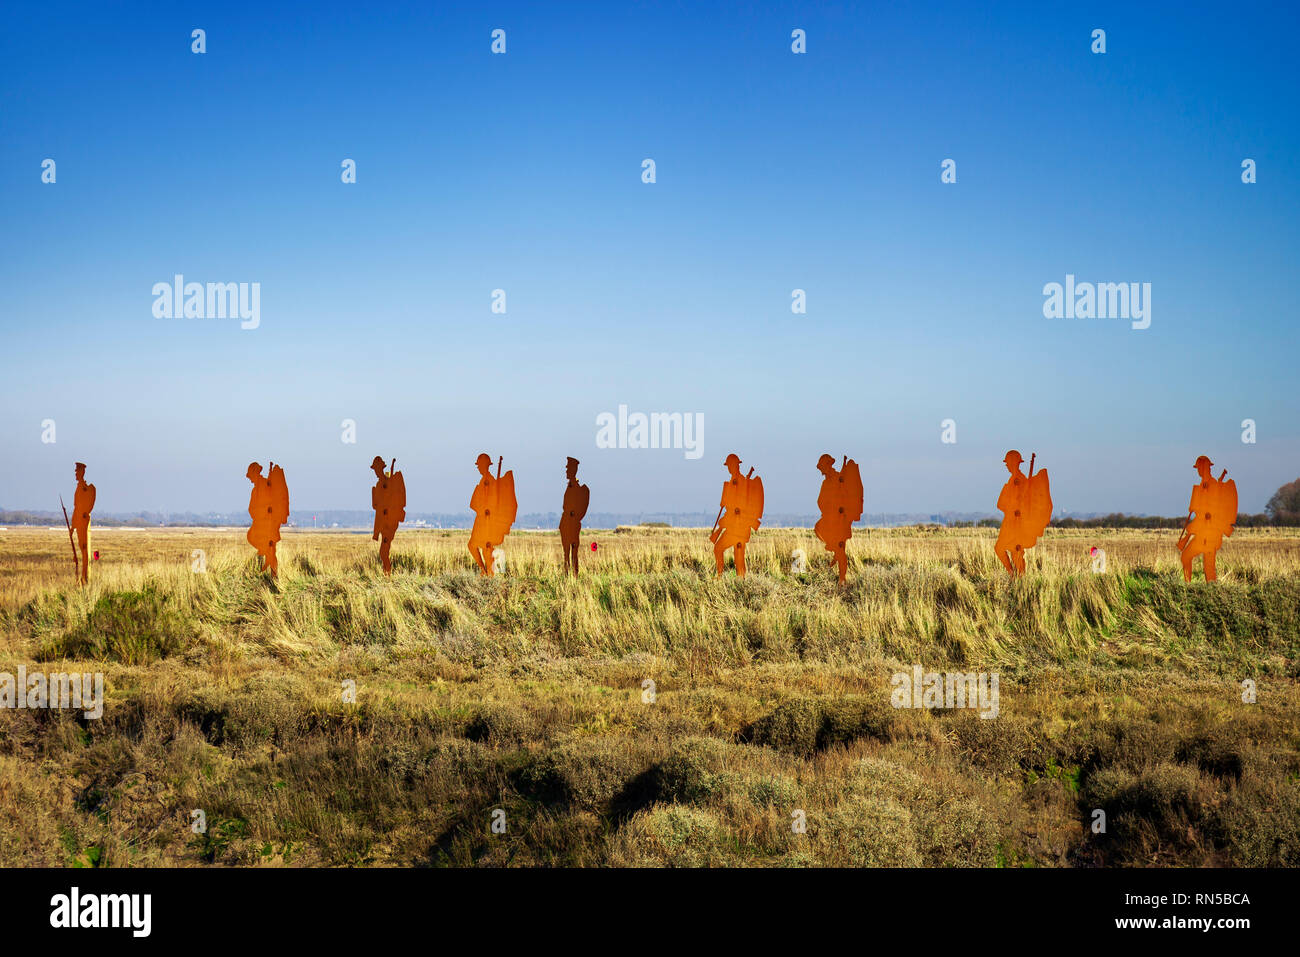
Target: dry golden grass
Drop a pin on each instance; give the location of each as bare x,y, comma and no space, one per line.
524,694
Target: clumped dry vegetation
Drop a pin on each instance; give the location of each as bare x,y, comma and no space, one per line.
525,694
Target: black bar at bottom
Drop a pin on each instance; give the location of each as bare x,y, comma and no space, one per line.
335,907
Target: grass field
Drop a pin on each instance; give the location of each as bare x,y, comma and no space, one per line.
525,695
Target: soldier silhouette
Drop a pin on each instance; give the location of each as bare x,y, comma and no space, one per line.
494,506
739,514
1026,504
268,507
1211,514
576,499
840,502
388,499
83,502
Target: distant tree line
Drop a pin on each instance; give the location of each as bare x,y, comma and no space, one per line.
10,517
1120,520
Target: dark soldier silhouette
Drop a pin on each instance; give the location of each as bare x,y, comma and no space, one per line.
576,499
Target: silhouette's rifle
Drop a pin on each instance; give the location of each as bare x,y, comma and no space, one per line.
715,523
76,565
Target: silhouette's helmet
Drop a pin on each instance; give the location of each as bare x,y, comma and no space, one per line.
570,460
378,462
254,469
732,459
826,460
1013,458
1203,460
81,465
483,459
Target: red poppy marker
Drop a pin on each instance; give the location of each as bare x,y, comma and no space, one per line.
593,546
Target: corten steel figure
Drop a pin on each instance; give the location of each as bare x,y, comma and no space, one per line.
388,499
1211,515
1026,504
576,499
268,507
83,501
494,506
840,502
739,513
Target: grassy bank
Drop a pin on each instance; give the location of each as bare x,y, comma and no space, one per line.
526,694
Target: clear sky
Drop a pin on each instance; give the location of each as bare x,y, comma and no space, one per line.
523,172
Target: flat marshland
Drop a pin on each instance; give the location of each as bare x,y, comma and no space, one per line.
648,714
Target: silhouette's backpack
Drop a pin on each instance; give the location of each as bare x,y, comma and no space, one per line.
851,478
502,508
278,506
1037,508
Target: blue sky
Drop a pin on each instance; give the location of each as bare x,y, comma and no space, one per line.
522,171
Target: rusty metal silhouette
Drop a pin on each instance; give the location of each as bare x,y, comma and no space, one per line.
740,513
388,499
1211,515
83,502
840,502
576,499
268,507
1026,504
494,507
